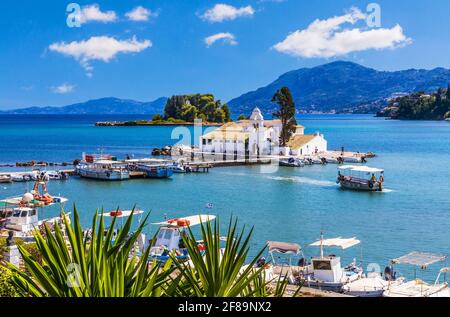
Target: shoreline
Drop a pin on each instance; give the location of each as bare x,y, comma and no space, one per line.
150,123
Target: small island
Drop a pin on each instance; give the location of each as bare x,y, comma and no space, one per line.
419,106
184,110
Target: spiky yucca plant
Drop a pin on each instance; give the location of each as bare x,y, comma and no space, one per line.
95,266
219,272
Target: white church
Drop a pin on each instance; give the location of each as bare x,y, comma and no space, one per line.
260,137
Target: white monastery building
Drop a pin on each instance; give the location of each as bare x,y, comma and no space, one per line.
260,137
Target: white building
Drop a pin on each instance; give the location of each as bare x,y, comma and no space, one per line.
257,136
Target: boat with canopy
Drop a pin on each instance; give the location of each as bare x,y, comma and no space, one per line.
418,287
327,273
169,238
360,178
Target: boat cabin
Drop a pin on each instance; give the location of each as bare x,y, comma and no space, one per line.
168,237
23,219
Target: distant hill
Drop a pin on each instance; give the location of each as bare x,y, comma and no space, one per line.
342,87
99,106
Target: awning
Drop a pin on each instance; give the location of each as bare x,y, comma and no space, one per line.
422,259
283,247
337,242
364,169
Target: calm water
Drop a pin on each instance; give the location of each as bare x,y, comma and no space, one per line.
289,205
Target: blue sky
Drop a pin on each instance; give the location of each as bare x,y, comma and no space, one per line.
147,49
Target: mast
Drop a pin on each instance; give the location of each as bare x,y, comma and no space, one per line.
321,244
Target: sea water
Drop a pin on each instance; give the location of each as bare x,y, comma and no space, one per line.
293,205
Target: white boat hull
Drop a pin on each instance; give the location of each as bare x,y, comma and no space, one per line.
104,175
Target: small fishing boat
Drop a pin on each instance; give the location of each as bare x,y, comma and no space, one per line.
5,178
179,168
24,177
56,175
327,273
21,214
169,237
155,171
418,287
360,178
291,162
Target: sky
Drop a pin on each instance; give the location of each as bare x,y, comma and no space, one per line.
52,54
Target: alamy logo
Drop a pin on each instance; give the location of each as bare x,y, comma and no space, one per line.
373,18
73,17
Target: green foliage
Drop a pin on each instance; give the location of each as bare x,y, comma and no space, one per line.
220,272
202,106
93,266
420,106
7,288
241,117
286,113
227,112
157,117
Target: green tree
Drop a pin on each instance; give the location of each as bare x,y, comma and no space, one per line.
227,113
219,116
286,113
157,117
241,117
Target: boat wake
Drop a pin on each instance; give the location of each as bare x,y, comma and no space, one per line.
303,180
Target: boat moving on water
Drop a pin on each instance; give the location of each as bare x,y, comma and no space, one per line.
360,178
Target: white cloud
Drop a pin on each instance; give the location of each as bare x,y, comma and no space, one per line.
140,14
63,89
227,38
221,12
102,48
328,38
92,13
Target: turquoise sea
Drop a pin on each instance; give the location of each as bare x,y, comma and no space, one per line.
288,205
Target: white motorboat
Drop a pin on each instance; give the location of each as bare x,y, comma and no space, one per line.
360,178
291,162
5,178
21,214
418,287
327,273
373,285
169,237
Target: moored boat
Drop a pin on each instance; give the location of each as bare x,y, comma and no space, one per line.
169,237
104,170
372,285
155,171
291,162
327,273
360,178
5,178
418,287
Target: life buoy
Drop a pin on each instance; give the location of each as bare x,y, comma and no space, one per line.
370,185
201,247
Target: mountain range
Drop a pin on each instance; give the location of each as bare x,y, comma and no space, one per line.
342,87
334,87
108,105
